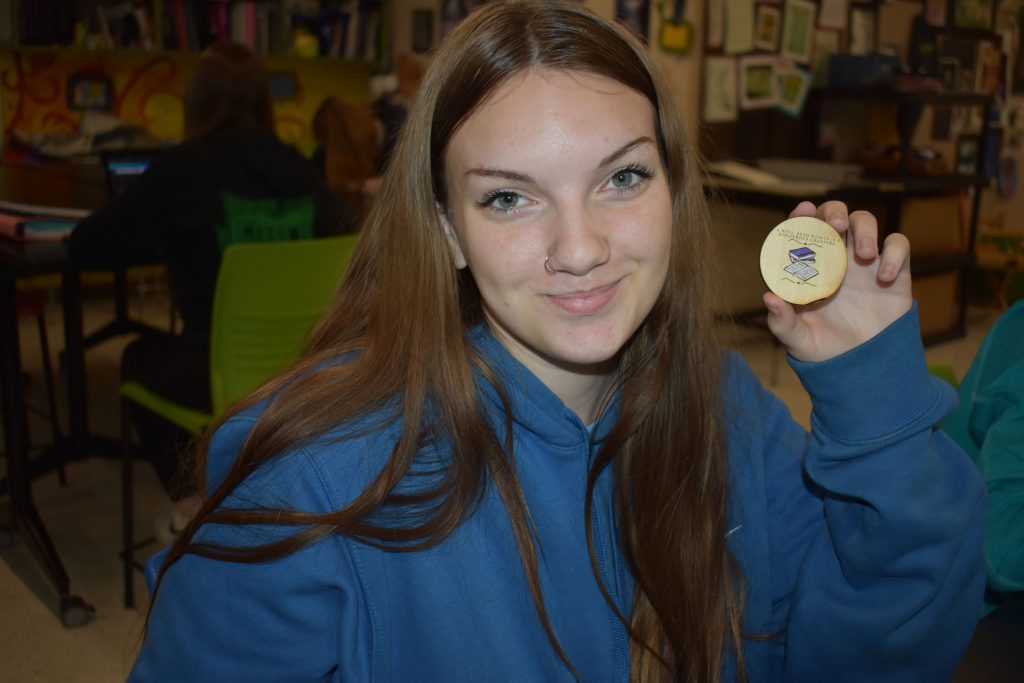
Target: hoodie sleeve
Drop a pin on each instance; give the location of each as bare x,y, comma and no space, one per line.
136,224
294,618
875,519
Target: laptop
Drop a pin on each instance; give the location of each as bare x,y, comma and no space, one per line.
123,166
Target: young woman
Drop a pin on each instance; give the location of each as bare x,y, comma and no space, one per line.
514,452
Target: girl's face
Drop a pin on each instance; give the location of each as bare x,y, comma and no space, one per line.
564,167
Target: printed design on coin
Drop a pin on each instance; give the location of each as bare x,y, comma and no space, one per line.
803,260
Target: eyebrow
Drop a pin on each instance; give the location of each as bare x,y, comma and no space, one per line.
624,150
515,176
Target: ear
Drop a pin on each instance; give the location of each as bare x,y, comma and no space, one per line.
452,238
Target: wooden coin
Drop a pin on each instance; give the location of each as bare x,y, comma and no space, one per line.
803,260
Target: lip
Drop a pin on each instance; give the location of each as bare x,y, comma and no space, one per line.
585,302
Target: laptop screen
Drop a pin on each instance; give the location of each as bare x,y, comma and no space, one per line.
122,167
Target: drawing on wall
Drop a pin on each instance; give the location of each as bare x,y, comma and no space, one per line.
720,89
794,85
758,85
768,28
798,30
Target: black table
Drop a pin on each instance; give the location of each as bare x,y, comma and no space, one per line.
68,191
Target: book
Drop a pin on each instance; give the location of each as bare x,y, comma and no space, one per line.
35,228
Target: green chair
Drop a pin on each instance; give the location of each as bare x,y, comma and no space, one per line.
269,295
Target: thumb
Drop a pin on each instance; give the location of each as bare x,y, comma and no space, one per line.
782,320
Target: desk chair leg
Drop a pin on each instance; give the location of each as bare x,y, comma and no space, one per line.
127,521
44,346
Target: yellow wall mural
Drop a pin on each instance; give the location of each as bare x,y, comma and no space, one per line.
147,91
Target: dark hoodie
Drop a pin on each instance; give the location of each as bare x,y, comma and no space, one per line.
174,209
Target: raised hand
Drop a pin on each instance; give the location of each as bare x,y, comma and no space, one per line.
875,292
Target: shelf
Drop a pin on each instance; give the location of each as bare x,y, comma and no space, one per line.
889,94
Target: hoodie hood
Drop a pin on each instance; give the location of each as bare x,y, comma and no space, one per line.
264,157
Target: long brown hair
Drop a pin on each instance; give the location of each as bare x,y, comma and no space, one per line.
402,316
230,88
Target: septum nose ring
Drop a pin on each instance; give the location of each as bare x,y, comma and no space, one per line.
547,266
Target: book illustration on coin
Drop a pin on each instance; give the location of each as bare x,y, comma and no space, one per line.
800,260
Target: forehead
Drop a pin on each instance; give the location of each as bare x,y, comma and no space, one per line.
552,111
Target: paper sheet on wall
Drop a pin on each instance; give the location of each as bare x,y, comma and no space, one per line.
739,26
716,23
832,14
720,102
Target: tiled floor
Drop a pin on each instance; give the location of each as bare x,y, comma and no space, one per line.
84,517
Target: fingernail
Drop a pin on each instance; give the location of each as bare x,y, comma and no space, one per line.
864,245
887,271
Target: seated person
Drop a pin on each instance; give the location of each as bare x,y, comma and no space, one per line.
231,153
347,155
989,425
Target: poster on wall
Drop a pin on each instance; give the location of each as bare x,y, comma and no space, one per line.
634,15
794,84
798,30
759,87
720,103
739,29
768,28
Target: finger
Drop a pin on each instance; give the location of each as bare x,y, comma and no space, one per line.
804,209
782,318
864,234
895,257
836,214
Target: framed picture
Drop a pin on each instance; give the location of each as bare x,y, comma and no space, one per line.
949,73
793,87
759,87
720,89
767,28
967,154
90,90
798,30
422,30
974,14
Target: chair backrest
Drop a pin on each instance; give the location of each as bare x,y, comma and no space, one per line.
268,298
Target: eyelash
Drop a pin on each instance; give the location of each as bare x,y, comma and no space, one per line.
640,170
644,173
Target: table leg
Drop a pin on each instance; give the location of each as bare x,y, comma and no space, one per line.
74,359
24,516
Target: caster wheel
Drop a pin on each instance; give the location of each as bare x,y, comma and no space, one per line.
74,612
6,537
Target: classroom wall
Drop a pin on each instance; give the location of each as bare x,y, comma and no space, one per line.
148,90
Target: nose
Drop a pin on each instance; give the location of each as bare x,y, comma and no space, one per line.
580,244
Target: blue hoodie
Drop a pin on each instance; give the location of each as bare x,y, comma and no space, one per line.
860,545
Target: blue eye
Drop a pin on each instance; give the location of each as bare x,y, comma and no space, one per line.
629,178
502,201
